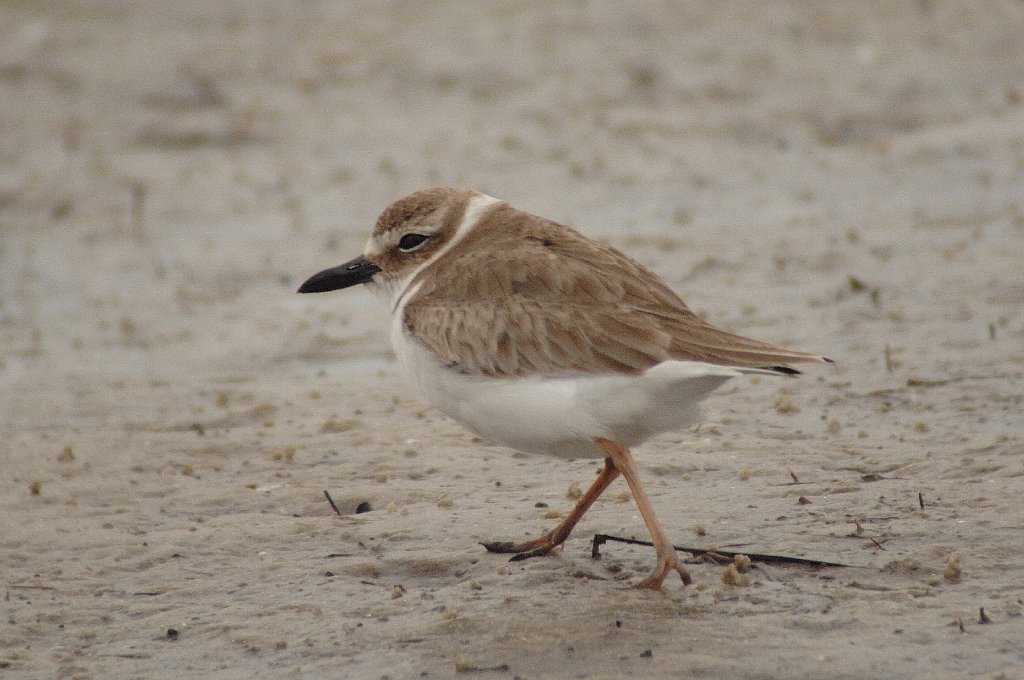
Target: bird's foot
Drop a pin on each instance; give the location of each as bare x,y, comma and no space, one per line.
666,563
538,547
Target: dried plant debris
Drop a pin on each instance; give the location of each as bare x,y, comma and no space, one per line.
953,573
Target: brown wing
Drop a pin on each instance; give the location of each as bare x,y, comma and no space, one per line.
522,295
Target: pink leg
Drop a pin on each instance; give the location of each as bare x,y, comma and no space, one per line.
544,544
668,560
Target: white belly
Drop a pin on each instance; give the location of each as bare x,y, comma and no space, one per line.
563,416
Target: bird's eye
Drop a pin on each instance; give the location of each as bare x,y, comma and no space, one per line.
411,242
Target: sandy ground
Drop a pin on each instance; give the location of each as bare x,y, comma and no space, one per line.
841,177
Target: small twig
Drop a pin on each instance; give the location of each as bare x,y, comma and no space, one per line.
920,499
601,539
331,501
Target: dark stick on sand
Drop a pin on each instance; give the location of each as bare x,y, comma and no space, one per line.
601,539
331,501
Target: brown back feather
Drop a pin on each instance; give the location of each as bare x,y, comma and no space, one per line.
551,301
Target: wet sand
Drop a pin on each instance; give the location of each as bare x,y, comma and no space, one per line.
835,178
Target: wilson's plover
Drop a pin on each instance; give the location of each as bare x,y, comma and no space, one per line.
537,338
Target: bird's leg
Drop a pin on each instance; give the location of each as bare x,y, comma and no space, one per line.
668,560
544,544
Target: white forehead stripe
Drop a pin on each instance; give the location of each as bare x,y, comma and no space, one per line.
475,209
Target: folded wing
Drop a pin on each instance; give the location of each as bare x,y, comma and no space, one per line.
550,301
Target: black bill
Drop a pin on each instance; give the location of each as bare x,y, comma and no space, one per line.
359,270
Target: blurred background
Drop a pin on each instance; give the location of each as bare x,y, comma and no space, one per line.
170,171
